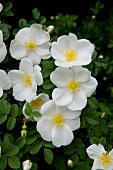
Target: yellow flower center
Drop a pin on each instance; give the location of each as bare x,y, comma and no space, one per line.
27,80
36,103
58,119
31,45
73,86
106,160
70,55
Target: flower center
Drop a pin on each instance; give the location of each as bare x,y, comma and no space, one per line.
70,55
27,80
73,86
58,119
36,103
106,160
31,45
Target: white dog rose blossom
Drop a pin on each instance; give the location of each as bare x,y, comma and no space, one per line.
25,80
68,51
74,85
102,159
27,165
3,50
32,43
36,103
57,123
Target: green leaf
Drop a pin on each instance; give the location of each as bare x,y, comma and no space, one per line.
11,150
30,139
28,109
36,13
8,137
20,142
94,140
4,107
75,159
110,124
35,114
14,110
103,141
69,150
48,85
48,155
22,23
3,118
79,143
34,166
81,153
93,102
46,72
3,162
11,123
4,145
35,147
8,6
48,144
94,55
43,20
14,162
8,13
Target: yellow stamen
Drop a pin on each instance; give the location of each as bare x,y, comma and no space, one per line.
31,45
70,55
58,119
73,86
27,80
105,160
36,103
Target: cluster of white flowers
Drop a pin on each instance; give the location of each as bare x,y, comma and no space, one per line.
60,116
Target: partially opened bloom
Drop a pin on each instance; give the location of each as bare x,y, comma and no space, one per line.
31,43
68,51
3,50
102,159
27,165
5,82
25,80
74,85
36,103
57,123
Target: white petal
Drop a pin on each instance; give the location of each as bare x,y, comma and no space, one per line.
61,76
68,114
15,76
38,75
3,51
81,74
111,153
23,35
94,151
64,64
49,108
89,87
62,96
21,93
23,111
39,34
79,101
97,165
26,66
56,54
43,50
5,82
1,37
44,127
62,135
82,59
17,49
73,124
34,57
67,42
1,92
85,46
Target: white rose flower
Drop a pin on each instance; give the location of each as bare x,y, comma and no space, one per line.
57,123
68,51
31,43
5,82
1,7
25,80
74,85
27,165
3,50
102,159
36,102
